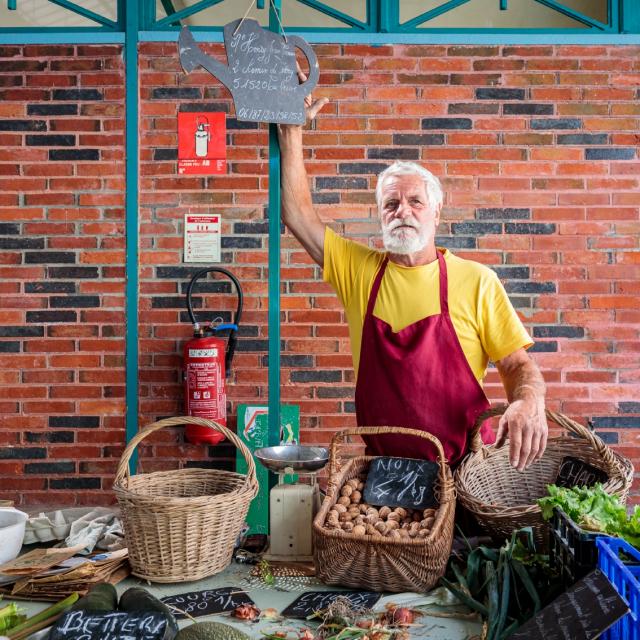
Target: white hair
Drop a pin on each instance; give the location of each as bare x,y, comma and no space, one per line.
402,168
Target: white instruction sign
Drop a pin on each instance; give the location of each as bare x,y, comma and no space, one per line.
201,237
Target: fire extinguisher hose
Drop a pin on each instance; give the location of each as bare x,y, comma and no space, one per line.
232,340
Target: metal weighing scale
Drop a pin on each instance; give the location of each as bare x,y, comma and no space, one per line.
292,507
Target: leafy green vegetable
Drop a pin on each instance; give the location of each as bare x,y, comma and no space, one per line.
10,616
593,509
505,586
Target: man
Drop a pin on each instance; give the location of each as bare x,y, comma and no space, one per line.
423,323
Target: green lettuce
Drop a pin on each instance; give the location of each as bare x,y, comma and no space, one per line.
593,509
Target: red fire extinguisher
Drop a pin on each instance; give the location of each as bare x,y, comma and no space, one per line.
207,362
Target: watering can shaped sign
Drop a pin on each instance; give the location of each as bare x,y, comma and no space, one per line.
261,74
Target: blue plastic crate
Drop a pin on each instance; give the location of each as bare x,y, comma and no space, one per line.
626,579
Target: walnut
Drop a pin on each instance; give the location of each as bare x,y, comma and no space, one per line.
384,512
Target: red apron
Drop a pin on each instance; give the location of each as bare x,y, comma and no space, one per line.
418,377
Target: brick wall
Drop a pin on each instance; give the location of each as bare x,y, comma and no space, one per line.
536,147
61,271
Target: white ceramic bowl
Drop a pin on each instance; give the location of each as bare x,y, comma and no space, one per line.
12,524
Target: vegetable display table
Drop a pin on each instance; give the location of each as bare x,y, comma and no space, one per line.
265,597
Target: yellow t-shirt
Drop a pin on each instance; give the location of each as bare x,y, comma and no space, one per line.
486,323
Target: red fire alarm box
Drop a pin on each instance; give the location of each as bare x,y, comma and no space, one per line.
202,143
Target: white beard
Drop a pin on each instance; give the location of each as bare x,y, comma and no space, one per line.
403,241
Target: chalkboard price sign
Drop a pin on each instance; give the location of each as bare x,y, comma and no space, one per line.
83,625
261,73
204,603
583,612
574,472
401,482
312,601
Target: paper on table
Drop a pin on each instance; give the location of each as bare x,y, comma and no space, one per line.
440,597
37,560
57,585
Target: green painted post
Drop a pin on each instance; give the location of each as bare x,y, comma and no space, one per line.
388,16
274,260
629,16
132,18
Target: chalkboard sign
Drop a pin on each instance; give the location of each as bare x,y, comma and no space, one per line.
401,482
204,603
261,73
84,625
312,601
583,612
578,473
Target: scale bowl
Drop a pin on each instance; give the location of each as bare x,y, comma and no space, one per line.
294,456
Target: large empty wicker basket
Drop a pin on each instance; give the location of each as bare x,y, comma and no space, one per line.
503,499
182,525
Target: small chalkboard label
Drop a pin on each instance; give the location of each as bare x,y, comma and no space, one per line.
204,603
401,482
574,472
312,601
583,612
83,625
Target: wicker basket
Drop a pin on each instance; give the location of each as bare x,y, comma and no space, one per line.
373,562
503,499
182,525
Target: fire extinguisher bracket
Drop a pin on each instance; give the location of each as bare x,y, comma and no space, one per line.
207,362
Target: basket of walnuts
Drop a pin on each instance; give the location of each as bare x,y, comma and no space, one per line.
381,548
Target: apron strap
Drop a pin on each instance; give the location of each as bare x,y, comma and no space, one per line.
444,284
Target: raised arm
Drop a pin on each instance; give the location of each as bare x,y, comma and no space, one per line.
297,208
524,421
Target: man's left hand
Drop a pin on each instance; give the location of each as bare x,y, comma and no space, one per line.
525,424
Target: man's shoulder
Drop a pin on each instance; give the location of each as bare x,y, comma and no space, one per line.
470,270
340,243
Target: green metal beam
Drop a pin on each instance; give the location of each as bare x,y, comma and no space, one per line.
336,15
574,15
185,13
274,260
423,36
383,17
629,16
169,9
132,17
433,13
60,36
85,13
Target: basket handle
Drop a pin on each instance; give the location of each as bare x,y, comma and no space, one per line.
561,420
339,437
123,466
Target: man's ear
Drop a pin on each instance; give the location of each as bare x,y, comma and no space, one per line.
438,211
